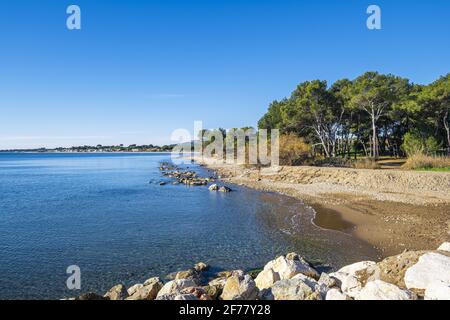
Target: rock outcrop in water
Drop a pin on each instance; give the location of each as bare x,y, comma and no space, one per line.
189,178
409,276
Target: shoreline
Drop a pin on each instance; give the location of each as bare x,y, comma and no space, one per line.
392,210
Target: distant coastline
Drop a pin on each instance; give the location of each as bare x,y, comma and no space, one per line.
97,149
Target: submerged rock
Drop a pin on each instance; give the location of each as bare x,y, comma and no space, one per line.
213,187
224,189
188,274
201,266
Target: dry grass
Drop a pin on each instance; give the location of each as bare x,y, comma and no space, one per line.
421,161
366,163
293,150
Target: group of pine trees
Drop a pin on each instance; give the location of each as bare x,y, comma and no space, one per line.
372,115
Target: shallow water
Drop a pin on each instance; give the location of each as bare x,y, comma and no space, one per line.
100,212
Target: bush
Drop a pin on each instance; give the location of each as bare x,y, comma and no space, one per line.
294,150
422,161
367,163
333,162
415,144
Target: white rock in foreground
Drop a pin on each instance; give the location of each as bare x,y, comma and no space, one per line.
437,291
430,269
291,289
132,290
148,291
266,279
380,290
350,277
352,269
289,267
240,287
175,286
445,247
185,297
118,292
336,294
350,285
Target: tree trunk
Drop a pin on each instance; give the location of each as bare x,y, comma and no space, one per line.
447,129
322,142
374,137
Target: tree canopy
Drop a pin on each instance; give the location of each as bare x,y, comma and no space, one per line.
371,114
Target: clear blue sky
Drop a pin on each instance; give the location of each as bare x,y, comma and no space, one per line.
140,69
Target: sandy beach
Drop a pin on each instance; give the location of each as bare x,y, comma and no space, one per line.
393,210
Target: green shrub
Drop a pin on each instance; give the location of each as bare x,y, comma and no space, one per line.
414,144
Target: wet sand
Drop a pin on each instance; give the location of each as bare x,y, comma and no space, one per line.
391,210
390,227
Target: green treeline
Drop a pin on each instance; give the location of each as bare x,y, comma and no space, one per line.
372,115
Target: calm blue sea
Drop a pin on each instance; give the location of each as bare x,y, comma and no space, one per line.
108,214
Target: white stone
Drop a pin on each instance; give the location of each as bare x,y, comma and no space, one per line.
356,267
336,294
287,268
132,290
118,292
437,291
213,187
431,268
380,290
338,276
445,247
310,282
219,282
175,286
185,297
316,286
239,287
327,280
350,285
291,289
266,279
148,291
